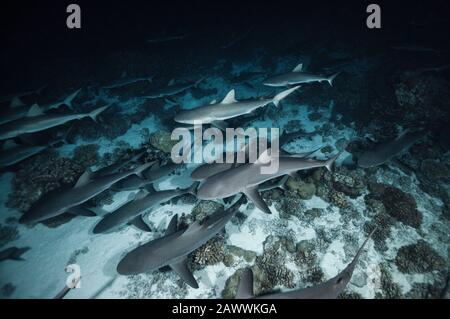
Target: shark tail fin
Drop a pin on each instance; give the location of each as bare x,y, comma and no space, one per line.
282,95
332,77
95,113
68,100
330,162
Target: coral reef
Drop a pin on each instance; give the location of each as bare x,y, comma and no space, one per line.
205,208
397,203
389,289
210,253
269,270
161,140
86,155
419,258
305,190
339,199
40,175
290,205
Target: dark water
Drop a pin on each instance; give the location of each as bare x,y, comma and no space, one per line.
392,81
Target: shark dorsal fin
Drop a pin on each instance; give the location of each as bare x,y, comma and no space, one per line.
171,82
84,178
9,144
16,102
245,286
265,157
298,68
229,98
34,110
183,271
173,225
213,102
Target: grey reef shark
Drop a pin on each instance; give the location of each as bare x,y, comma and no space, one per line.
298,76
172,249
69,200
215,113
246,178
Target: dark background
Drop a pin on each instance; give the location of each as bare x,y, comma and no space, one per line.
34,32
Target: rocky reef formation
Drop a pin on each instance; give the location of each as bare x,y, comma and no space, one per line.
41,175
398,204
419,258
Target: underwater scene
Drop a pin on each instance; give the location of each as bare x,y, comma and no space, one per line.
205,150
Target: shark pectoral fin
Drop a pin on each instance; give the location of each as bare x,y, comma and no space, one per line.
81,211
253,195
183,271
173,225
84,178
245,286
221,125
138,222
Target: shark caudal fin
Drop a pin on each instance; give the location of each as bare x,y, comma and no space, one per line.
282,95
95,113
245,286
329,163
332,77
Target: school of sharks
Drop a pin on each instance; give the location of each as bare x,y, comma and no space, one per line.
25,118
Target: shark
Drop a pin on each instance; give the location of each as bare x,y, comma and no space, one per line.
13,153
131,212
11,97
149,176
36,120
19,110
173,248
69,200
116,167
126,80
327,290
384,151
206,170
298,76
246,178
13,253
172,88
228,108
